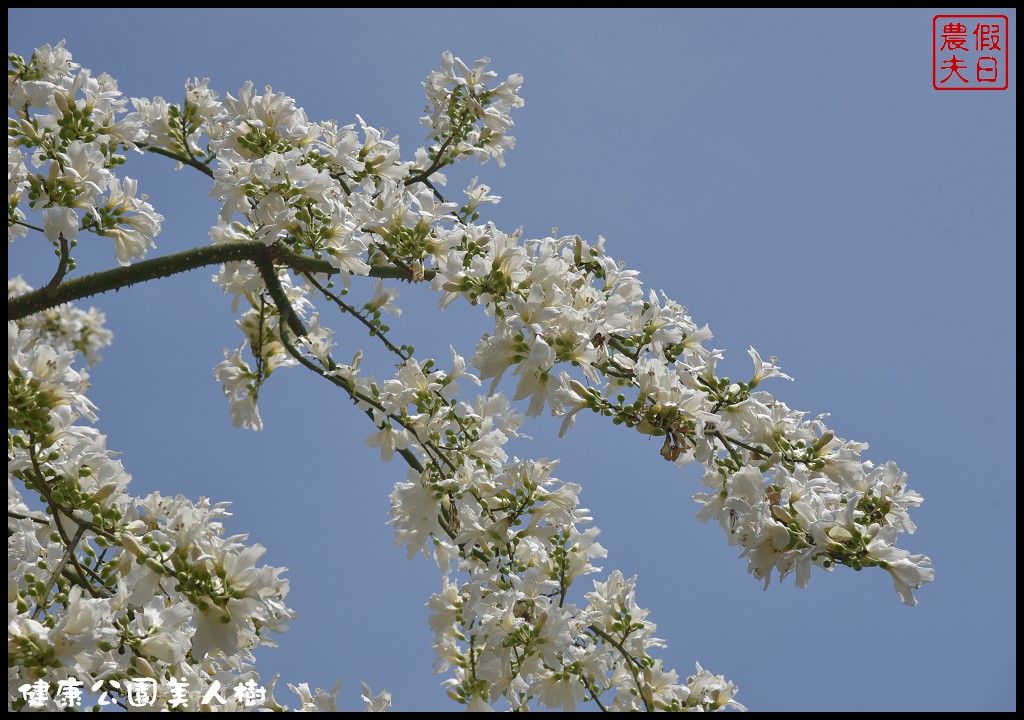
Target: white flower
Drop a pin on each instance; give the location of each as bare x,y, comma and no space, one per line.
137,223
383,299
53,61
711,692
414,512
320,701
237,378
389,439
60,222
375,703
164,628
908,572
534,379
478,195
346,247
84,163
268,113
764,370
559,690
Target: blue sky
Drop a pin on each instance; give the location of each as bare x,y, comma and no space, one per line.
790,176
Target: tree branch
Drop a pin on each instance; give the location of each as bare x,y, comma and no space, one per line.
291,321
64,264
117,278
345,307
184,159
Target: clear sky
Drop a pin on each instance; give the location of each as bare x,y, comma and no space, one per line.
790,176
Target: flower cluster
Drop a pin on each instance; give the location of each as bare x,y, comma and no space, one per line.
301,202
69,127
784,487
511,541
65,327
104,587
466,117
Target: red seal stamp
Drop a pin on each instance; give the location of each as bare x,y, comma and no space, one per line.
970,52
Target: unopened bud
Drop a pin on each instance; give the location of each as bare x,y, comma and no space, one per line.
840,534
130,543
104,491
824,440
781,514
577,387
143,666
61,102
541,619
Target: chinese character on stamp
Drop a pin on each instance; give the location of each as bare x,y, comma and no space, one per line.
970,52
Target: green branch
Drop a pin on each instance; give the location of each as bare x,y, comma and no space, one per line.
346,308
161,267
64,264
184,159
634,665
292,322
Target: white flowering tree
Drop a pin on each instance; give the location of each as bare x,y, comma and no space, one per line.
144,601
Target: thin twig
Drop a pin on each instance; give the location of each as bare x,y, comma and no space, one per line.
190,161
63,265
69,552
345,307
